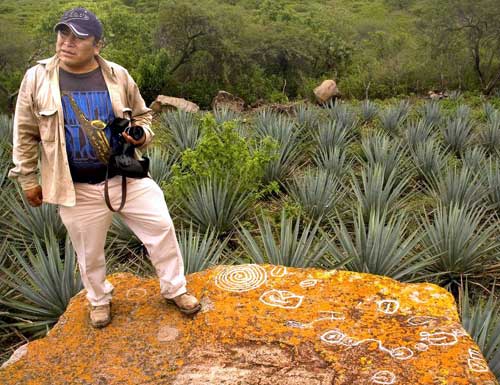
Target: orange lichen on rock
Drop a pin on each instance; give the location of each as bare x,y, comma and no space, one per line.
262,324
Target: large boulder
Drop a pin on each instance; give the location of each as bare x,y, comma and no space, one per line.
262,324
164,103
326,91
228,100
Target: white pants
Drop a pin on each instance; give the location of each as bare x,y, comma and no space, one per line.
145,212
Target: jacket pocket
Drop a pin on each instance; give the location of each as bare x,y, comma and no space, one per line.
48,121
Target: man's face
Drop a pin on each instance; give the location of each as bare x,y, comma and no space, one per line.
74,52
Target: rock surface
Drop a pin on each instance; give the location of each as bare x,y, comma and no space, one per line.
326,91
164,103
262,325
228,100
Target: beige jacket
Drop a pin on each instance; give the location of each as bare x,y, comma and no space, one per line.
39,126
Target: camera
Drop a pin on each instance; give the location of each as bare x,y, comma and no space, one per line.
122,161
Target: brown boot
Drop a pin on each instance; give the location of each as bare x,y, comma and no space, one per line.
100,316
187,303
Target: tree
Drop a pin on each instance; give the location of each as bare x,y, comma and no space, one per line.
472,26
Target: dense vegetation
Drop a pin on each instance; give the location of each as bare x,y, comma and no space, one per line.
274,49
401,188
407,190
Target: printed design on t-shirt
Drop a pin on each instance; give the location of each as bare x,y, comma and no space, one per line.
85,114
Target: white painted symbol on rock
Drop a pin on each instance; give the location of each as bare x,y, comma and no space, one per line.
241,278
439,338
421,320
388,306
476,361
281,298
384,377
336,337
330,316
136,293
421,347
278,271
308,283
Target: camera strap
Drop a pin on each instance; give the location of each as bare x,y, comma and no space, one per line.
124,193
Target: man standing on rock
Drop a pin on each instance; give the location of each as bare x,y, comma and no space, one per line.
63,108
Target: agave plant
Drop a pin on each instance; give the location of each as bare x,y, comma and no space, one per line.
462,241
183,130
201,251
23,221
382,245
289,144
458,186
379,190
44,285
224,114
490,134
213,203
333,160
482,321
417,132
343,114
369,110
429,159
6,131
307,116
160,164
392,117
331,134
457,131
298,245
431,113
378,149
489,111
493,178
474,158
316,192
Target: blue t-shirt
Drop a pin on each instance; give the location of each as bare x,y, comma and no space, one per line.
87,110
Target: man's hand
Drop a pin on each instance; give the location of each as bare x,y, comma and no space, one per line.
136,142
34,196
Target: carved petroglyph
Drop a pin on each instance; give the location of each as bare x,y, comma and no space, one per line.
327,316
421,347
136,293
422,320
439,338
308,283
336,337
241,278
388,306
281,298
476,362
384,377
278,271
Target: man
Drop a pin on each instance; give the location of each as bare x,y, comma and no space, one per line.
64,104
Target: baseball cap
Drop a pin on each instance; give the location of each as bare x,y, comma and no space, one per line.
82,23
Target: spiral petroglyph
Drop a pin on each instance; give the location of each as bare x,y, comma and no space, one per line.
241,278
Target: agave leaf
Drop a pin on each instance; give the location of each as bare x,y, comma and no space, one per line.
201,251
461,239
183,130
44,286
316,191
213,203
382,246
482,321
297,244
369,110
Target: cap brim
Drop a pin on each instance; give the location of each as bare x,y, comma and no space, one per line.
74,29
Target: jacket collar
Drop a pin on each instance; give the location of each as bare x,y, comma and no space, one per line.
52,62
